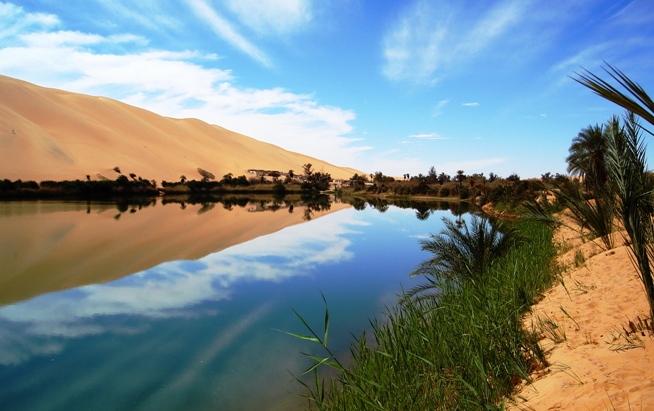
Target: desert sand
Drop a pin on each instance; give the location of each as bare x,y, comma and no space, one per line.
595,367
49,134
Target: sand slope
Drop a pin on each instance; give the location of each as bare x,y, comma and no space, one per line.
594,368
48,134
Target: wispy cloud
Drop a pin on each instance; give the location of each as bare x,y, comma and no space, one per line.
275,17
15,21
227,31
428,136
637,12
155,15
473,104
427,42
438,110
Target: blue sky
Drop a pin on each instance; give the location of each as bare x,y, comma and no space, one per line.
378,85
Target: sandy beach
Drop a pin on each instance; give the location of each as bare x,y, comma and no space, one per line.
597,362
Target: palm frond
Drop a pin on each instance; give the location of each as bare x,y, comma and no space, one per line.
639,103
635,204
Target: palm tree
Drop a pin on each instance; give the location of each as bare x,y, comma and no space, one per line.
635,204
587,155
460,176
462,254
628,168
595,214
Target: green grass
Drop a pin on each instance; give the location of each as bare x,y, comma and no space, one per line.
465,351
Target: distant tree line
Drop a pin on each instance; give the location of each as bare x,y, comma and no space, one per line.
476,187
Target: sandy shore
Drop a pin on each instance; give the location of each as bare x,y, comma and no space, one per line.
592,365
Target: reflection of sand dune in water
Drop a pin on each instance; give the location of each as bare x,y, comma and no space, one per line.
47,247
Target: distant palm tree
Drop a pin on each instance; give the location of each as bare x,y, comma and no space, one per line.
460,176
462,254
587,155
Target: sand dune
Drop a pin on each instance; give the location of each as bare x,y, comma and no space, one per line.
594,367
48,134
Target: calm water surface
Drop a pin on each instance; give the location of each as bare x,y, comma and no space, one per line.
178,306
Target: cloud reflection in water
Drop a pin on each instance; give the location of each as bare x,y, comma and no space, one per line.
172,289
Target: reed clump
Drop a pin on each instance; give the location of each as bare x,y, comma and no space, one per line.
465,349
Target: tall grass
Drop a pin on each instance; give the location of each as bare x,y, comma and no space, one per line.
465,350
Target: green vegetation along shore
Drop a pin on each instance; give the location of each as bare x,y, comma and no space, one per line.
465,349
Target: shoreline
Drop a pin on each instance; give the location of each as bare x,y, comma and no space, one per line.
600,355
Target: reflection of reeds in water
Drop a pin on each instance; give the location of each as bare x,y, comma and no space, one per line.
462,252
466,350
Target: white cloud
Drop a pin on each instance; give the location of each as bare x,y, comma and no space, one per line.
473,104
227,31
60,38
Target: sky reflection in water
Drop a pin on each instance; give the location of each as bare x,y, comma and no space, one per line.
202,334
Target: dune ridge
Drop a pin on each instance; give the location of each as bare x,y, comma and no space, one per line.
50,134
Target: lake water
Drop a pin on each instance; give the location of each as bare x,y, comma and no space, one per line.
178,306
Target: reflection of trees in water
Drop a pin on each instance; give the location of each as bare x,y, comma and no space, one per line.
358,204
206,207
311,203
423,215
132,205
379,204
424,209
315,203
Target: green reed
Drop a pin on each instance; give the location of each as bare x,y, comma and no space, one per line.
465,350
